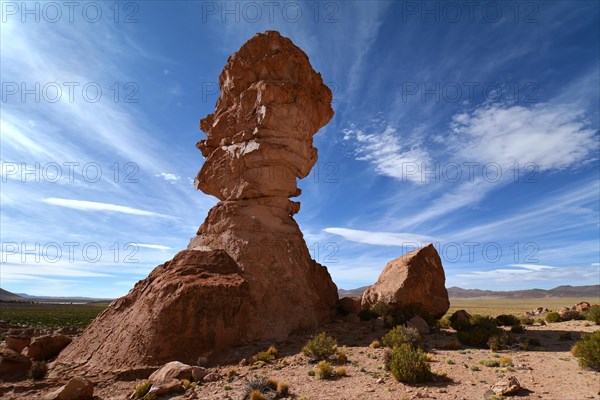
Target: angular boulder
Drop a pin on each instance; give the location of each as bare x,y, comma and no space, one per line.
46,347
17,343
13,365
415,281
77,388
248,274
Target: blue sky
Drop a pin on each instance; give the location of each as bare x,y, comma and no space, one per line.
472,127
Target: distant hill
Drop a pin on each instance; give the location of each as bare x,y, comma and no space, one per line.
460,293
7,296
559,291
352,292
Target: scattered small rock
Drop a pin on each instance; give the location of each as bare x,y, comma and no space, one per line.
507,386
212,377
77,388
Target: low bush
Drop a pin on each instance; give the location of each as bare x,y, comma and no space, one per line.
342,356
38,370
565,336
324,370
142,389
526,320
571,315
517,329
593,314
553,317
490,363
375,344
320,347
507,320
444,323
409,365
478,331
401,335
587,350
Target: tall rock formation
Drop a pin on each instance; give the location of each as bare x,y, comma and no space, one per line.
415,281
248,274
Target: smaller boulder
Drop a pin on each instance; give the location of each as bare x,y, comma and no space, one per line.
77,388
168,386
419,324
17,343
212,377
13,365
173,370
198,373
350,305
46,347
565,311
460,317
582,307
507,386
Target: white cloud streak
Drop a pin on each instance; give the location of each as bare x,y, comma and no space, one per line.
103,207
381,238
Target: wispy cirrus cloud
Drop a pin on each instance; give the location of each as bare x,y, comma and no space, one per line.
84,205
381,238
152,246
551,136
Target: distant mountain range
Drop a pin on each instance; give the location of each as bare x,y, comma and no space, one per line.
6,296
460,293
453,292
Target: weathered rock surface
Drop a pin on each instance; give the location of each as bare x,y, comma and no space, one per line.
13,365
414,281
46,347
248,274
188,305
77,388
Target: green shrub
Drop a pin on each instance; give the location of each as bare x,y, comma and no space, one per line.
517,329
366,315
381,309
478,332
507,320
324,370
565,336
587,350
474,368
593,314
38,370
409,365
490,363
320,347
268,355
553,317
570,315
142,389
526,320
400,335
444,323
